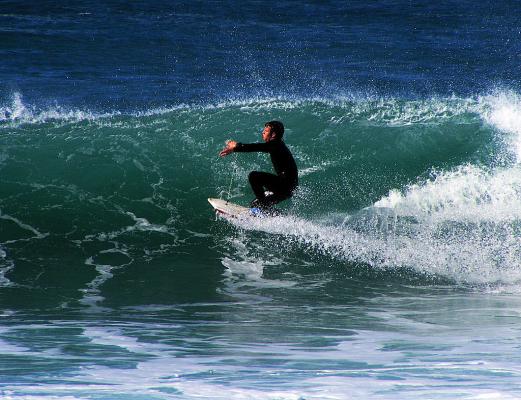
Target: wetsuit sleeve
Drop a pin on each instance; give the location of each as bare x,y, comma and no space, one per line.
251,147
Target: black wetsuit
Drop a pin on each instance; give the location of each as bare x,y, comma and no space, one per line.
281,185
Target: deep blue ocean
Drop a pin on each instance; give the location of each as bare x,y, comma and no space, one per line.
393,273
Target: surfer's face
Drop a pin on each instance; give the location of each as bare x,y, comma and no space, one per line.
266,134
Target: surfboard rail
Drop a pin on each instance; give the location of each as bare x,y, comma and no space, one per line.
229,209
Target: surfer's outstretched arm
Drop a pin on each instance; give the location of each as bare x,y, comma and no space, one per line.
233,146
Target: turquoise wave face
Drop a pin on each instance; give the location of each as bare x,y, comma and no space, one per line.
384,182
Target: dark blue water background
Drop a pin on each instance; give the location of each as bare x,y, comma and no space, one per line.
135,55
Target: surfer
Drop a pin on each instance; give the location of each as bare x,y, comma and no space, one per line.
281,186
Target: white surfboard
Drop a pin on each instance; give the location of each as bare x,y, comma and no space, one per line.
229,209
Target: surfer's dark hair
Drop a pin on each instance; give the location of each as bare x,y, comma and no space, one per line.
276,127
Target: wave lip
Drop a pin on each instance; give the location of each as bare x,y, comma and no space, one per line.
386,110
18,112
501,109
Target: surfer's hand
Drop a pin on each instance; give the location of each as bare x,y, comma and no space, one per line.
229,148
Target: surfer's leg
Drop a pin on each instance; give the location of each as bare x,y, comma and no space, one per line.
275,198
280,192
261,181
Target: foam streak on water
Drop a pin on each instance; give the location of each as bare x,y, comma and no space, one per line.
427,352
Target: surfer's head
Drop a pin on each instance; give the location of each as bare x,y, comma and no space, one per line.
273,130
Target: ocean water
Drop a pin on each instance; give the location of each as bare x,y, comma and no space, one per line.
395,270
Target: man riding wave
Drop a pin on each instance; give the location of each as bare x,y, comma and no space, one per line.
282,185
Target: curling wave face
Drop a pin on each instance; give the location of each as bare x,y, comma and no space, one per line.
430,185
